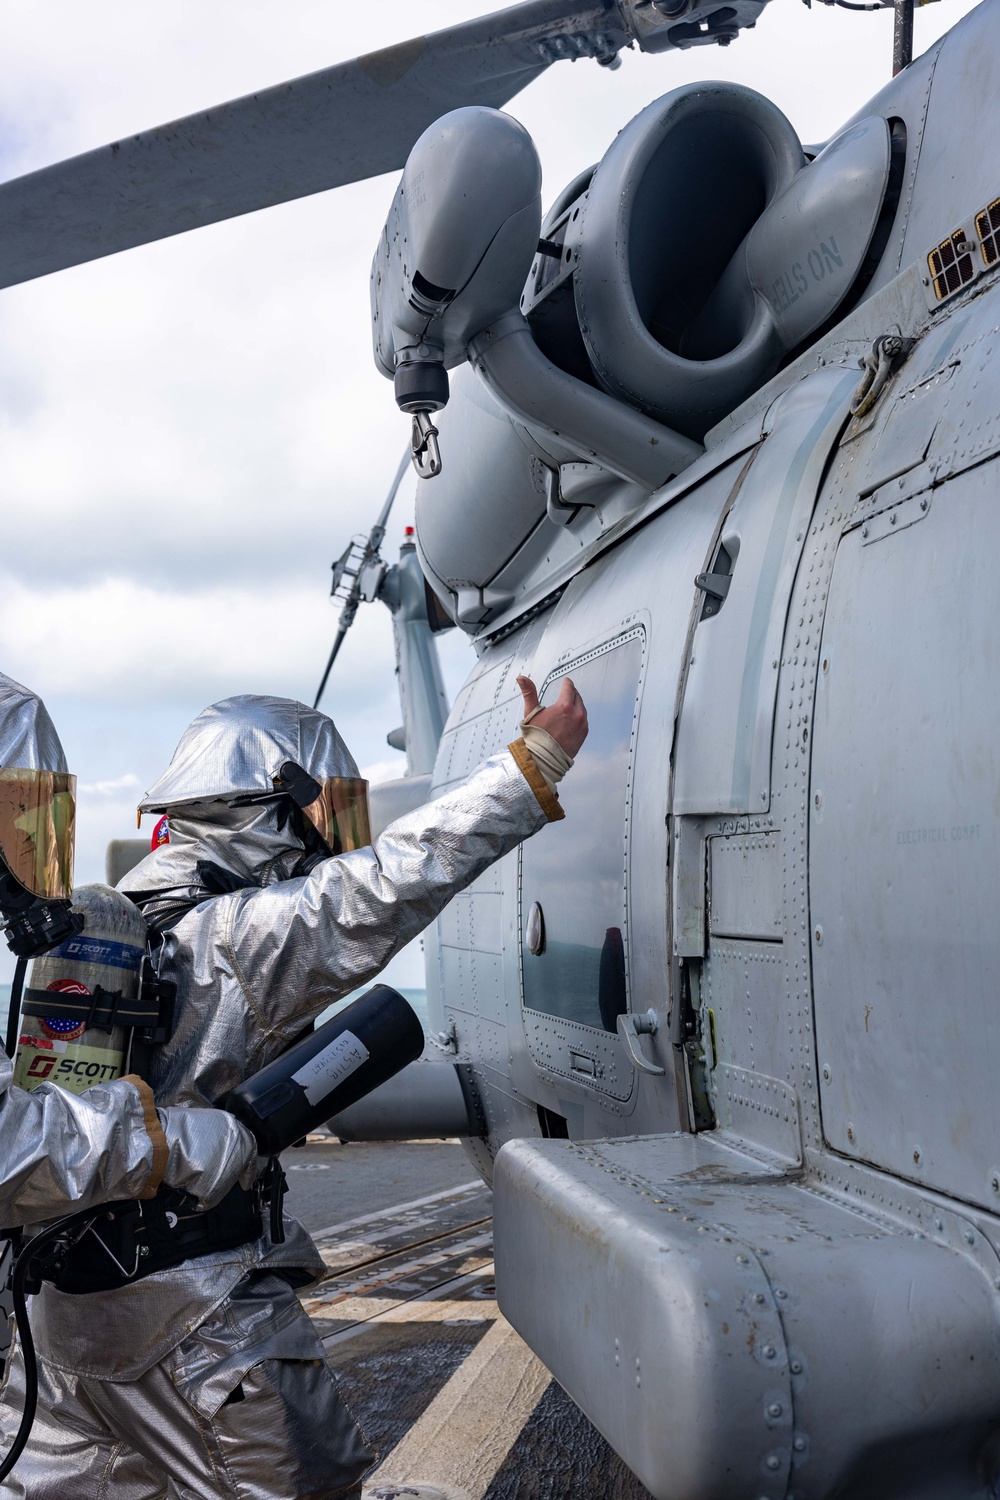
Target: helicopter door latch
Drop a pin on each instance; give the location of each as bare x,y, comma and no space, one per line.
630,1028
445,1041
716,584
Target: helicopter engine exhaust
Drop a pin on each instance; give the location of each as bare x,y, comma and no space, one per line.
703,250
664,216
662,289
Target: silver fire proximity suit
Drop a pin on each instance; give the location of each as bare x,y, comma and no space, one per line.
208,1380
60,1152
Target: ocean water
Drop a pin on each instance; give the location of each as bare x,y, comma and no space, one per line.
417,998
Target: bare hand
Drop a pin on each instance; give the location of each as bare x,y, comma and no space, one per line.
565,719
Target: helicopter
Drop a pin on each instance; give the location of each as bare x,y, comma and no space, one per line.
715,436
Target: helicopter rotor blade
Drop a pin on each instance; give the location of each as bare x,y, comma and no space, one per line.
344,123
378,530
338,641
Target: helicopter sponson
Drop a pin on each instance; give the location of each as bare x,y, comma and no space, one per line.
723,445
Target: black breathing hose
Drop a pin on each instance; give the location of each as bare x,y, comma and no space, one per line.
14,1011
17,1281
18,1276
22,1271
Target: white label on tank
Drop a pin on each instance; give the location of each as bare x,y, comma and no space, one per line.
321,1074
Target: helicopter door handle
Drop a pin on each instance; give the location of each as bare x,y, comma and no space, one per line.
716,584
630,1028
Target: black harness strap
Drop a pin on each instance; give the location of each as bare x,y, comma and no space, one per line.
140,1238
104,1009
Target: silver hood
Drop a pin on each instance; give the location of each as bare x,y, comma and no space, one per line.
28,738
234,747
240,745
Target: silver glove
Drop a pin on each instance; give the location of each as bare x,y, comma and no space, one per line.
208,1152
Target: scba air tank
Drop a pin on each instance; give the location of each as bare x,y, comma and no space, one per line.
86,970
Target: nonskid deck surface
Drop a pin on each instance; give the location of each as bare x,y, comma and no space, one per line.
445,1390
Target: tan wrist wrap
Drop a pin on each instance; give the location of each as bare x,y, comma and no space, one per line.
547,799
547,753
154,1130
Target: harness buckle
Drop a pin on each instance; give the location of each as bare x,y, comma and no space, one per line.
159,995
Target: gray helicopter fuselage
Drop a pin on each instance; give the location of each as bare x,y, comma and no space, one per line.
780,856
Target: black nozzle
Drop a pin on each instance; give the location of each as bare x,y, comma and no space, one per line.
354,1052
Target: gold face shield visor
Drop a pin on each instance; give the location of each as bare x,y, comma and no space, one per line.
337,806
340,813
38,830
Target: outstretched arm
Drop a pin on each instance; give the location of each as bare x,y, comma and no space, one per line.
301,944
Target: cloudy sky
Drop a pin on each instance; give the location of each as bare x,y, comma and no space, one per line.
190,432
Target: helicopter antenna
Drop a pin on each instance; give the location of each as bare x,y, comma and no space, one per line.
362,564
902,36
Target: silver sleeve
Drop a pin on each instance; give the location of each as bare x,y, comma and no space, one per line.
300,944
208,1152
60,1151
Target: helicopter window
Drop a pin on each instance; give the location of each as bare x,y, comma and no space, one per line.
575,872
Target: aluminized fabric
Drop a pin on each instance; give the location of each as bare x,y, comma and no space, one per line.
252,969
240,744
244,1408
136,1380
208,1152
60,1152
27,735
254,843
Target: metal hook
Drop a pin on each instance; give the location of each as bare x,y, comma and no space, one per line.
425,451
878,365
